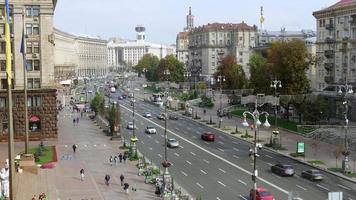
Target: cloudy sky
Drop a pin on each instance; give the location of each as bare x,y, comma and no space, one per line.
164,18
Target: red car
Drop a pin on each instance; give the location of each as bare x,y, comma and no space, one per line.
208,136
261,194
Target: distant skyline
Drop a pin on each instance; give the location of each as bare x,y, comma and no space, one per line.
164,19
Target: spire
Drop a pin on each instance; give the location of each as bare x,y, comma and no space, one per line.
190,20
190,10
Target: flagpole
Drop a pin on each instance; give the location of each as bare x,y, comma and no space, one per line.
25,84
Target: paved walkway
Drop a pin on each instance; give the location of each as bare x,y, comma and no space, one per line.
93,152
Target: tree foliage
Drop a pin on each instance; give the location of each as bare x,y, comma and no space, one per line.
98,103
111,117
235,77
260,78
149,66
176,69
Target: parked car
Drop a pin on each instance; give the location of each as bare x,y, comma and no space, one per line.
312,174
147,115
151,130
173,117
90,91
208,136
161,116
261,194
172,143
283,169
131,126
120,97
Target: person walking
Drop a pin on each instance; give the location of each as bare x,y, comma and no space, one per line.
74,121
82,174
110,160
124,158
126,187
74,148
81,114
122,179
120,157
116,160
107,179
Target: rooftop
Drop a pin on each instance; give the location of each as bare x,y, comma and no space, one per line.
223,26
339,5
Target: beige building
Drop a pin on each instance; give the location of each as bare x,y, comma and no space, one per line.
38,20
182,42
210,43
79,56
336,44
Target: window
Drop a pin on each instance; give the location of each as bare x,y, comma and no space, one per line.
212,63
33,65
32,29
34,123
240,53
33,83
4,83
3,103
2,29
4,128
320,23
241,60
220,42
2,47
36,29
32,11
28,47
34,101
2,65
213,41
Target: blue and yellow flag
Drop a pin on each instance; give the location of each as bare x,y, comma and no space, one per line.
8,43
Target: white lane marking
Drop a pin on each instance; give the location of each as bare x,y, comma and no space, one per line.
157,141
159,155
162,135
206,142
268,156
176,128
216,156
235,156
181,146
142,142
223,171
270,164
242,197
193,153
149,136
234,142
322,187
221,183
195,137
198,184
185,174
176,154
301,187
202,171
150,148
220,142
221,149
206,161
343,187
188,162
142,124
276,176
236,149
242,182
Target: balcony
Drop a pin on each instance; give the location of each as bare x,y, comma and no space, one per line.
353,22
330,40
329,53
329,66
329,79
329,26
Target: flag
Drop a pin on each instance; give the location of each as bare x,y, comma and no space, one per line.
23,49
8,43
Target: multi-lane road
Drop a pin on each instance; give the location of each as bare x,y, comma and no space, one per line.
221,169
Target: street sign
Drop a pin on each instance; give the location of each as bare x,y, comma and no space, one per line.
300,147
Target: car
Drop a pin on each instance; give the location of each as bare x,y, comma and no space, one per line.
120,98
131,126
151,130
173,117
161,116
90,91
172,143
283,169
147,115
82,92
261,194
124,96
208,136
113,102
312,174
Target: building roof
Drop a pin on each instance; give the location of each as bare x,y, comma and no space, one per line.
137,44
182,35
338,5
223,26
78,37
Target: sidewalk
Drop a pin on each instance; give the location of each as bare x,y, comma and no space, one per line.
93,152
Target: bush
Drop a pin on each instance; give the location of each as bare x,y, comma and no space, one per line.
316,162
297,154
156,171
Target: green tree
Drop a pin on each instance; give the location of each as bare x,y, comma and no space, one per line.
149,64
112,118
98,103
175,68
260,79
235,77
288,62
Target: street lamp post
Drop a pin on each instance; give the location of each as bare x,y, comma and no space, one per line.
346,152
276,84
255,115
220,79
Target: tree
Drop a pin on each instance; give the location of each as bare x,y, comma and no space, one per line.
98,103
235,77
260,79
289,61
176,69
112,118
149,63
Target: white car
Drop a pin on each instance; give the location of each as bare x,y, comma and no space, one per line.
90,91
151,130
172,143
131,126
147,115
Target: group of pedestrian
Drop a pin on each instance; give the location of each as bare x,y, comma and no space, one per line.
115,160
75,120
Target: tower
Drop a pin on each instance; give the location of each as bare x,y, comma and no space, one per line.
190,20
140,33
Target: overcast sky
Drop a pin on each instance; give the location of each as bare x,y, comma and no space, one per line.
163,19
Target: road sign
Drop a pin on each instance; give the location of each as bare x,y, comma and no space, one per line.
300,147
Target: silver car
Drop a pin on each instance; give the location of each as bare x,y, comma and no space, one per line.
131,126
151,130
172,143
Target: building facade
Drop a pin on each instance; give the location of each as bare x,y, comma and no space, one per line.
208,44
182,42
130,52
336,44
79,56
265,38
42,108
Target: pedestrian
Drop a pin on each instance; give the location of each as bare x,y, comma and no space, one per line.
74,121
204,111
122,179
124,158
74,148
126,187
107,179
34,197
120,157
115,160
82,174
81,114
77,120
110,160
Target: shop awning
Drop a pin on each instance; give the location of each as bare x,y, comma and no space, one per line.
34,118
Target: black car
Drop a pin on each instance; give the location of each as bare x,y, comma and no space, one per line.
283,169
173,117
312,174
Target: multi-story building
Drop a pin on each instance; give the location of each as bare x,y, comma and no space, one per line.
79,56
265,38
208,44
129,53
182,40
336,44
42,108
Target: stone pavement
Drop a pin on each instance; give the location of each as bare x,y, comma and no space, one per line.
93,152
